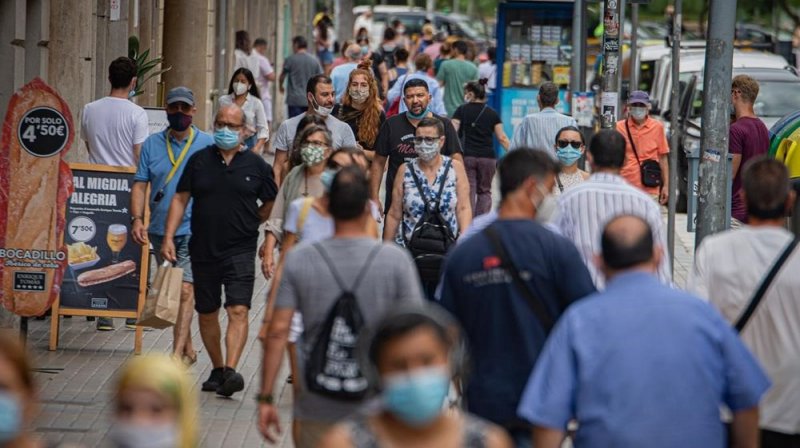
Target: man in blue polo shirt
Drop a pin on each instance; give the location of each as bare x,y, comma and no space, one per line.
163,157
507,319
642,364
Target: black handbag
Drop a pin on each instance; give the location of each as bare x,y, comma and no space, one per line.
651,169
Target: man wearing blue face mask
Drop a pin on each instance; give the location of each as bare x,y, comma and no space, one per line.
396,138
232,193
164,156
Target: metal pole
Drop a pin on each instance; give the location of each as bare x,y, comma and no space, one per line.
609,101
622,13
674,138
713,174
634,81
577,48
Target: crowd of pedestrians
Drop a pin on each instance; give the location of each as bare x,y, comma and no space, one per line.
424,316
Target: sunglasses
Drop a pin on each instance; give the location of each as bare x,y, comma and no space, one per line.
426,140
564,143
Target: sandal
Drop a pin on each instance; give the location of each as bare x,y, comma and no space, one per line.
189,360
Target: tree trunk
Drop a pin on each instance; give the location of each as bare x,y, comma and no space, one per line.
790,12
702,18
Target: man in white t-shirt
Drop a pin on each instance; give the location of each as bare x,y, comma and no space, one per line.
113,127
730,267
265,74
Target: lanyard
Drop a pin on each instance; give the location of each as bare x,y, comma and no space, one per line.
176,164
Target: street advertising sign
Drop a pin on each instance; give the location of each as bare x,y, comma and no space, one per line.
105,266
516,103
156,119
35,183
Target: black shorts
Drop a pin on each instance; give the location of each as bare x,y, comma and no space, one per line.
236,273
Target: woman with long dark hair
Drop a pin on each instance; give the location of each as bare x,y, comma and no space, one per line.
322,40
361,107
476,123
243,91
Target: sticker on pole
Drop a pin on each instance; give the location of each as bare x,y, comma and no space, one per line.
712,155
43,132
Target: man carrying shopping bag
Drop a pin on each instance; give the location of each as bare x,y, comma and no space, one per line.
161,309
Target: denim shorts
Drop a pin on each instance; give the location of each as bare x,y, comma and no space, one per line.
181,251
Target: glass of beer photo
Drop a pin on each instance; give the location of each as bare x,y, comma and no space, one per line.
116,238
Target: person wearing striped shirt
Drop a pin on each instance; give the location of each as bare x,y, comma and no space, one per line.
538,130
585,209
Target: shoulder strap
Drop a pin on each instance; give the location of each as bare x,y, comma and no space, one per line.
361,273
633,145
418,183
545,319
441,186
305,208
558,181
480,114
765,284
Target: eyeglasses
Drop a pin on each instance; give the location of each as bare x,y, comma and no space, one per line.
564,143
316,142
231,126
426,140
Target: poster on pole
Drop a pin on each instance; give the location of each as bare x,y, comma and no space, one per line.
609,101
583,108
34,185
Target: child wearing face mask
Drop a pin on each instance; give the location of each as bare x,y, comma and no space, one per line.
244,92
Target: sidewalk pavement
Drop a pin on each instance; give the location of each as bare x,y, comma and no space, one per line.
77,380
76,403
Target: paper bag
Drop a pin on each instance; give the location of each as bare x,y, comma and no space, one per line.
164,298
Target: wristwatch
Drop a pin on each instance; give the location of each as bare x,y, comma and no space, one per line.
265,399
134,218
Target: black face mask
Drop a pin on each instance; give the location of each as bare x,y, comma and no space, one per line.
179,121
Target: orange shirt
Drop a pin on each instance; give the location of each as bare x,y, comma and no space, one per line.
651,143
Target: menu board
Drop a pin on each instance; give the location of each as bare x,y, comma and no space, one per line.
105,267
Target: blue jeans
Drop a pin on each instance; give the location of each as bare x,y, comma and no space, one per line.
181,252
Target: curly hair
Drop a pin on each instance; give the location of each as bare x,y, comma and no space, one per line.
371,115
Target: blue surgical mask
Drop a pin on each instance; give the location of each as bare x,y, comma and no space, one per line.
422,115
10,418
416,398
326,178
569,155
131,94
137,435
226,139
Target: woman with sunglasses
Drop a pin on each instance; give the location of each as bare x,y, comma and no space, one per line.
303,181
570,146
243,91
476,124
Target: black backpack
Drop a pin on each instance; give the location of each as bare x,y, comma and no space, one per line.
432,236
333,367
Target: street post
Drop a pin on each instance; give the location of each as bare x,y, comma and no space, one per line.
674,137
609,100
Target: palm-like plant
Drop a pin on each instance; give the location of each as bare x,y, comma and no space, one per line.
143,66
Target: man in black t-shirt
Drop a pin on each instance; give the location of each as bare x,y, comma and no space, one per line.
232,193
396,138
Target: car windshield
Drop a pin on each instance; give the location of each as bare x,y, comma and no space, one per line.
776,99
468,29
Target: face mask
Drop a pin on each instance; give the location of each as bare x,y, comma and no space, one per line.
179,121
422,115
468,98
427,152
638,113
417,398
546,208
326,178
130,435
239,88
568,155
388,48
131,94
10,418
321,110
732,110
364,50
359,95
312,154
401,30
226,139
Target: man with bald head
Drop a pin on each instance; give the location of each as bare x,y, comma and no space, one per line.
341,74
642,364
230,193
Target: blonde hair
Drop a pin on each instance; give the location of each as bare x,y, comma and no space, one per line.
747,86
168,378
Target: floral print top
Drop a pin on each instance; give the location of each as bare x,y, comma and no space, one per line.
414,206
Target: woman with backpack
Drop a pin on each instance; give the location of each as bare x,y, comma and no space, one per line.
476,123
430,203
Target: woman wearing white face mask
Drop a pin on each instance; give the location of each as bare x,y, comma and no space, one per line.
243,91
432,181
412,357
361,107
570,147
155,405
302,181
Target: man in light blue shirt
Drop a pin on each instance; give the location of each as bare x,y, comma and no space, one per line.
538,130
642,364
163,158
341,74
422,63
